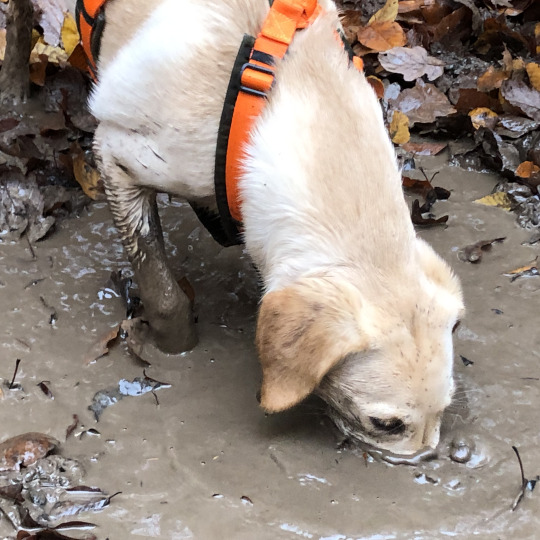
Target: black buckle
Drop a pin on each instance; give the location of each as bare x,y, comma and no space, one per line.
260,69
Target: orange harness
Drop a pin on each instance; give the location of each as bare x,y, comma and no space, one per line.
251,80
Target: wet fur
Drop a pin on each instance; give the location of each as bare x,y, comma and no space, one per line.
356,307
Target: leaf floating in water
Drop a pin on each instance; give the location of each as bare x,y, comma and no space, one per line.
137,387
24,450
418,219
45,389
474,252
101,347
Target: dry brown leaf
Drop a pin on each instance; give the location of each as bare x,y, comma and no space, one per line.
23,450
412,63
399,128
491,79
88,177
499,199
527,169
424,103
377,85
424,149
381,36
483,117
533,71
69,34
387,13
101,347
38,70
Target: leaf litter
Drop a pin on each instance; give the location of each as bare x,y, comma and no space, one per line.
468,70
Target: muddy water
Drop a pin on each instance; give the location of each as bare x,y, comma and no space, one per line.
202,461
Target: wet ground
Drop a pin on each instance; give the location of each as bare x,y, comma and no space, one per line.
200,460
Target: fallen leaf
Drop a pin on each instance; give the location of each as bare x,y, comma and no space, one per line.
418,219
515,126
533,71
423,104
12,492
425,148
483,117
377,85
381,36
527,169
38,70
412,63
521,269
491,79
399,128
520,95
498,199
69,34
23,450
72,427
187,288
101,347
88,177
466,361
387,13
45,389
419,187
473,252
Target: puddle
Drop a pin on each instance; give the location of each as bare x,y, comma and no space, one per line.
203,461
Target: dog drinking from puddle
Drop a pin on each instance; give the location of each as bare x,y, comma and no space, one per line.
356,308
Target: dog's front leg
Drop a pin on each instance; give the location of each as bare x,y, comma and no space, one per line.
135,213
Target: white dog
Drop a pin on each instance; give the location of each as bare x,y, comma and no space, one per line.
356,307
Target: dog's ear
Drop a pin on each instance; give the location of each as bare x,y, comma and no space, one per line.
302,332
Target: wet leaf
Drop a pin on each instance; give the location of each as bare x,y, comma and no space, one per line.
187,288
412,63
474,252
498,199
424,148
466,361
45,389
387,13
12,492
483,117
23,450
381,36
423,104
520,95
72,427
418,219
62,509
399,128
88,177
533,265
101,347
38,70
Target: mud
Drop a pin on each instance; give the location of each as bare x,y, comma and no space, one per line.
200,460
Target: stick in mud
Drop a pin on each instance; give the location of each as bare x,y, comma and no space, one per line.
17,362
524,481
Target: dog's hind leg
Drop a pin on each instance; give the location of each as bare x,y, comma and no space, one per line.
135,213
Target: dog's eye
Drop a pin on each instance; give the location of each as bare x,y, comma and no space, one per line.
394,426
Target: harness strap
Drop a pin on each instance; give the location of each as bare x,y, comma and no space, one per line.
90,18
257,76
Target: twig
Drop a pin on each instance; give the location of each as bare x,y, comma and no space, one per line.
17,362
524,481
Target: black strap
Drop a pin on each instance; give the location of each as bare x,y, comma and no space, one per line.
230,228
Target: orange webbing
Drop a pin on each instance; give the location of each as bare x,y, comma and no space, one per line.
283,20
92,8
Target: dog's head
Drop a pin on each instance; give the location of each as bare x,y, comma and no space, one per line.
383,365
